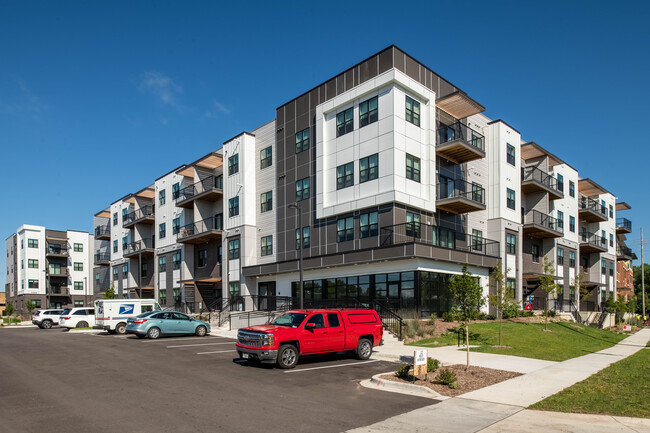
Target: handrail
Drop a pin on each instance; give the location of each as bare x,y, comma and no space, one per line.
134,247
541,219
203,185
197,227
459,131
593,239
390,320
537,175
592,205
461,188
137,214
102,257
624,223
102,230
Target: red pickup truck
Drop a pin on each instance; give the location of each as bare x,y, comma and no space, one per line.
307,332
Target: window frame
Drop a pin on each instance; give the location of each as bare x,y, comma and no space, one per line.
371,172
511,247
413,173
345,229
368,228
303,192
511,156
511,203
412,115
162,263
266,157
345,175
202,258
233,207
77,247
302,140
266,247
344,122
233,249
368,115
266,201
162,199
233,164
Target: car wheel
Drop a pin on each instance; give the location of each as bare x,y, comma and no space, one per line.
287,356
140,335
47,324
153,333
82,324
201,331
364,349
120,328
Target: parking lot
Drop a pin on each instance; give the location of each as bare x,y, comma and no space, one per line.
82,382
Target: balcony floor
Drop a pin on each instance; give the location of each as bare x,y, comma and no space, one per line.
198,238
541,232
459,205
459,151
591,216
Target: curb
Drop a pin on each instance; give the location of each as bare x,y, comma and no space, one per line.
401,388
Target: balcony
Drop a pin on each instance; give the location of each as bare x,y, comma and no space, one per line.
591,211
623,225
458,196
540,225
102,259
56,251
61,272
103,233
210,189
199,232
459,143
145,214
624,253
144,247
58,291
592,243
535,180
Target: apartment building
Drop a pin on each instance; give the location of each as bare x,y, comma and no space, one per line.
387,179
51,268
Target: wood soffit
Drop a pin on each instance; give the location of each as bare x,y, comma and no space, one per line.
459,105
533,150
590,188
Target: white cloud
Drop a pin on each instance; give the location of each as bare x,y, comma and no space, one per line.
27,101
219,108
162,87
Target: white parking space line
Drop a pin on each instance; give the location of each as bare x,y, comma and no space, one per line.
168,339
199,344
332,366
218,351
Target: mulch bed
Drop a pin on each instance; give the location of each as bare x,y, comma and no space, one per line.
470,380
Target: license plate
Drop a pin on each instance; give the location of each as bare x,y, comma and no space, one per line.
245,355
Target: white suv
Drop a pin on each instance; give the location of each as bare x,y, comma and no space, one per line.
82,317
46,318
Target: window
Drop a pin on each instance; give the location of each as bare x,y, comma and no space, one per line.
611,269
79,248
176,191
477,192
22,244
115,271
125,212
218,221
611,240
266,157
535,253
510,154
267,245
510,199
203,258
96,280
176,225
78,266
560,183
306,237
162,294
511,287
345,229
603,267
603,238
302,140
368,224
345,175
369,168
176,260
115,246
611,211
22,264
412,167
32,263
368,112
176,292
333,320
345,122
412,111
233,249
477,240
412,224
162,230
125,269
444,238
560,291
115,218
32,243
266,200
572,224
32,284
233,206
143,269
511,243
233,164
37,303
572,188
161,197
572,259
78,285
560,219
162,263
302,189
560,256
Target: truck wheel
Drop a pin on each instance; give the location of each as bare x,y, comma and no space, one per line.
287,356
47,324
364,349
201,331
153,333
120,328
82,324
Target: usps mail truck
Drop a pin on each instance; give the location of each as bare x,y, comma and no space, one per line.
111,314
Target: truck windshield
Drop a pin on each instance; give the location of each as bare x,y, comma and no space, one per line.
289,319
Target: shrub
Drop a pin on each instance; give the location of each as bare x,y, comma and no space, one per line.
511,310
551,313
432,364
432,319
448,316
414,328
528,313
485,316
403,371
446,376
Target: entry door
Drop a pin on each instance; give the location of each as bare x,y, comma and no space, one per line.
266,300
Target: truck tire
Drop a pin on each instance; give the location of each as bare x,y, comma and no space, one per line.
364,349
120,328
47,324
201,331
153,333
287,356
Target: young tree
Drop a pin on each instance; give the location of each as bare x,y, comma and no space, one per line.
501,298
621,309
10,309
31,306
468,296
577,283
548,285
110,292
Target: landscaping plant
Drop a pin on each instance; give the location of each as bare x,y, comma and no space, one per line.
10,309
501,299
548,285
403,371
468,297
446,377
432,364
31,306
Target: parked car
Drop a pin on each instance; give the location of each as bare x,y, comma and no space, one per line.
154,324
78,318
306,332
112,314
45,319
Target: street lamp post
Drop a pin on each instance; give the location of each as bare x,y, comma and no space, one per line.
300,245
86,291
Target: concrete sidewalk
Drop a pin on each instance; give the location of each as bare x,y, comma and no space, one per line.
501,407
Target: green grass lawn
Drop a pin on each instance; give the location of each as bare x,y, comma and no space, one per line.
565,341
621,389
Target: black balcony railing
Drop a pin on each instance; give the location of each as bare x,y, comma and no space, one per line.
450,188
138,214
102,257
458,131
56,250
138,246
624,223
58,291
437,237
543,220
204,185
101,231
58,272
199,227
593,205
593,239
539,176
624,251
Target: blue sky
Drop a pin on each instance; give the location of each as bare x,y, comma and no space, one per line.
97,99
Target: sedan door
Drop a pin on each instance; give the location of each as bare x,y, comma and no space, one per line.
183,324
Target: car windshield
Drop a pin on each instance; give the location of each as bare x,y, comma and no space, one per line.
289,319
66,311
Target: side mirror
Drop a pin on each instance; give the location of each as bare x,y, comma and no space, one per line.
310,326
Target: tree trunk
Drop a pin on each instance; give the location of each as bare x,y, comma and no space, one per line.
500,324
467,344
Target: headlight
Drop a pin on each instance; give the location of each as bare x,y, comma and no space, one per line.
267,340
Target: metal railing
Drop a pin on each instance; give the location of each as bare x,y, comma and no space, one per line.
137,246
623,251
541,219
207,184
461,188
139,214
391,321
593,239
424,234
459,131
593,205
102,231
624,223
58,291
197,227
102,257
539,176
53,249
60,272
